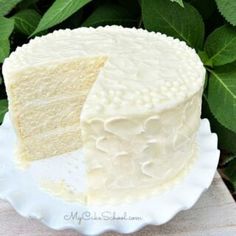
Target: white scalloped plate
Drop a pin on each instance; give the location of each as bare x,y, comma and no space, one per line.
21,189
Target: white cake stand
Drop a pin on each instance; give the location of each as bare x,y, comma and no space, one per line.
21,189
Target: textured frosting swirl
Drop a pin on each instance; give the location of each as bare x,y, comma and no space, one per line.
148,70
129,155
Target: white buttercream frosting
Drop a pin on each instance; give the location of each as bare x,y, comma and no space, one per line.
171,70
140,153
140,118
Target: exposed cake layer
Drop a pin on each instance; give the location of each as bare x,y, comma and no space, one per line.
44,116
50,97
48,144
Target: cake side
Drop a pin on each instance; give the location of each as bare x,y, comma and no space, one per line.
131,157
131,85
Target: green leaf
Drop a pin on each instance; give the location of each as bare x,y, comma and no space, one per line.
26,3
170,18
4,49
58,12
226,159
6,27
26,21
227,8
7,5
110,14
3,109
205,7
220,45
230,173
180,2
221,95
204,58
226,138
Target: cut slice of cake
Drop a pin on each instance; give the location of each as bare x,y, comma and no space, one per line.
130,98
46,103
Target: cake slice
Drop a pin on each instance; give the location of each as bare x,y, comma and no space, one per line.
130,98
46,103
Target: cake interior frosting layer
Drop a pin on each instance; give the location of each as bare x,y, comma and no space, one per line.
55,79
60,141
55,96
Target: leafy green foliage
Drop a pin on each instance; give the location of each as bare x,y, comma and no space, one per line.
26,3
58,12
3,109
26,21
111,14
205,7
170,18
227,159
221,95
230,172
7,5
227,8
6,27
221,46
4,49
180,2
204,58
226,138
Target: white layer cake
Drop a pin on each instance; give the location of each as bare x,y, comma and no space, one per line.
130,98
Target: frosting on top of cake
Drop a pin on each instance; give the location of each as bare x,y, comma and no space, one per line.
144,70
